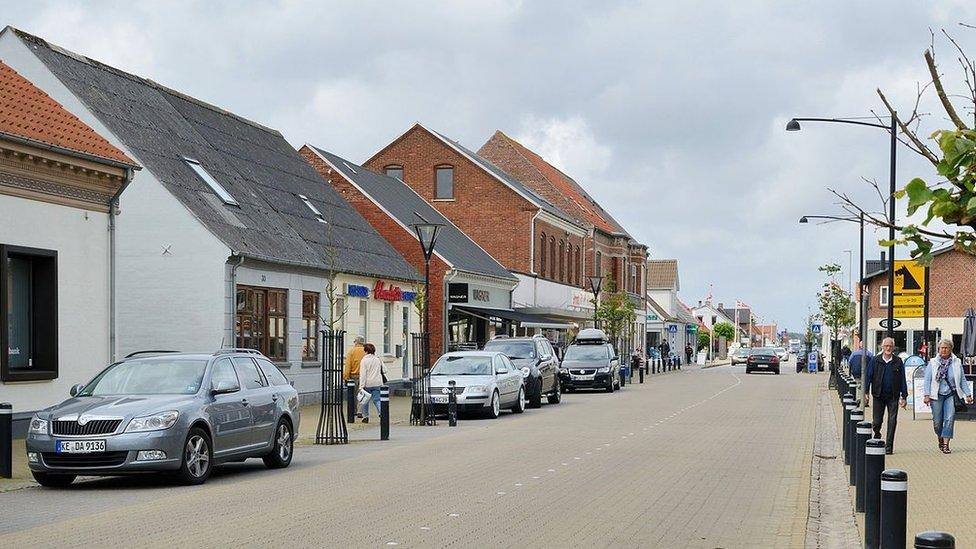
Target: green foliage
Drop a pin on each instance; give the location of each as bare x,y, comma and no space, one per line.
703,339
724,329
836,305
615,310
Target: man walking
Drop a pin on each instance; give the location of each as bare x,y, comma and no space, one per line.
885,381
350,369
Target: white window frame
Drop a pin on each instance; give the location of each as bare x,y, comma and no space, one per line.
882,296
214,185
318,214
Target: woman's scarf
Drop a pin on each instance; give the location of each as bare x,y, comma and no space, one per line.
943,373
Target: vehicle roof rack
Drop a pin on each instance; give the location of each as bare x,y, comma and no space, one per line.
155,351
238,350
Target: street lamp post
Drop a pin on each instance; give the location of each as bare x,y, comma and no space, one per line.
794,125
862,309
427,235
595,283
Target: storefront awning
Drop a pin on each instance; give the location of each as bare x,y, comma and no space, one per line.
524,320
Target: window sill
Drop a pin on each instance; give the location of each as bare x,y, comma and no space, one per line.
13,377
444,200
306,364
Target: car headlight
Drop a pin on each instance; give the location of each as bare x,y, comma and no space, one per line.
604,370
526,371
564,370
473,389
155,422
38,426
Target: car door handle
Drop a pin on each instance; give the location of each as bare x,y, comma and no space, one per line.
274,398
244,401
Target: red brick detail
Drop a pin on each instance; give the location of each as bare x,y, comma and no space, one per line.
28,112
489,212
952,286
403,241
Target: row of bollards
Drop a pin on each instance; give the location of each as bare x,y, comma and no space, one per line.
661,365
881,494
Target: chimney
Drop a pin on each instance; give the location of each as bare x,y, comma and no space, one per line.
721,306
699,303
882,258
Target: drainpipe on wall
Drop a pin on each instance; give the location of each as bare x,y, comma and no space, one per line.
233,291
112,206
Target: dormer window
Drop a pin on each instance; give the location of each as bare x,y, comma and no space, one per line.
318,214
394,171
217,188
444,183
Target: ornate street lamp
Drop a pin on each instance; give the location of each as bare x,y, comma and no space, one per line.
427,235
595,283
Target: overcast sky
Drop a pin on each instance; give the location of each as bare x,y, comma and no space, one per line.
670,114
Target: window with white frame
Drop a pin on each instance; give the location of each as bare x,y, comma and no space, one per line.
314,210
211,182
883,296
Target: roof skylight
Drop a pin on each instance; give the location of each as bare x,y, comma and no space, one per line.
312,207
211,182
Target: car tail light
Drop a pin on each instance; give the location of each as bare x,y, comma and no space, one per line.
751,359
775,360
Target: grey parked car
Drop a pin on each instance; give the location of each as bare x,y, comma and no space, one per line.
169,412
485,382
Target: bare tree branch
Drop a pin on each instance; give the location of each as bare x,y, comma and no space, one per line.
923,149
946,104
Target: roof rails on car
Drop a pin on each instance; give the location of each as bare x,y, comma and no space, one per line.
238,350
500,336
155,351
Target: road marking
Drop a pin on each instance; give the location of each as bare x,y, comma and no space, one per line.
454,515
535,477
552,470
518,483
392,543
425,528
500,493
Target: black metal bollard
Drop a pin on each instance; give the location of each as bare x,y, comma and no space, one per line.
384,412
848,408
6,440
623,378
640,374
863,434
894,508
934,540
857,416
874,461
350,401
452,403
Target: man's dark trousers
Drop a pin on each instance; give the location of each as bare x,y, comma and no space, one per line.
877,415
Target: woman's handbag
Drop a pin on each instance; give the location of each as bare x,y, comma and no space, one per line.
960,404
363,396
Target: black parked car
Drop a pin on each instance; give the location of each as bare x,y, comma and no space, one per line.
762,358
537,360
590,363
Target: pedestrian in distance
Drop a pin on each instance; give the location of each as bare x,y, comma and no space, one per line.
854,361
665,350
350,368
944,382
688,352
885,381
370,378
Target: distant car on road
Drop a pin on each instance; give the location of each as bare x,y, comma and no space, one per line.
177,413
485,382
740,356
590,363
536,359
782,353
762,358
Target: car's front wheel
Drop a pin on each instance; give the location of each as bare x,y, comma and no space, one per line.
49,480
197,458
520,402
556,395
283,447
609,388
494,408
535,401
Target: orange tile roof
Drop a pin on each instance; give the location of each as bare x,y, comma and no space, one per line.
662,273
575,198
29,113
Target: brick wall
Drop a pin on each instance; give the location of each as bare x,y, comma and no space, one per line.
952,286
485,209
403,241
549,269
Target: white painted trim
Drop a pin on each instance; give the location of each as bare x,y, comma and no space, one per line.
562,224
870,450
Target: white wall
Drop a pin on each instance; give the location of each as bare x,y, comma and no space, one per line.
537,292
81,240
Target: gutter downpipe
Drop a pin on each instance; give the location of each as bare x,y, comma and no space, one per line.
112,205
535,275
233,289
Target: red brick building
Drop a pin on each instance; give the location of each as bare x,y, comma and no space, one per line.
544,246
463,275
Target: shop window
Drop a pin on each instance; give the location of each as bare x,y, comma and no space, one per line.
310,326
28,314
363,318
261,321
444,182
394,171
387,326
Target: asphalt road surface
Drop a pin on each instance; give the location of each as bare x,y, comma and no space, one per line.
696,458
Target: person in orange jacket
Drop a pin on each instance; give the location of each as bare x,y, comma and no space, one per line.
350,369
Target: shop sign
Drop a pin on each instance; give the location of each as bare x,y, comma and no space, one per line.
357,291
691,329
380,291
457,292
652,316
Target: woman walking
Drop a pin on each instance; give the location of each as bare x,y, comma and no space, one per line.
943,382
370,378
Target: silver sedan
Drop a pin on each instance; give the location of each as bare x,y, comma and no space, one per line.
174,412
485,382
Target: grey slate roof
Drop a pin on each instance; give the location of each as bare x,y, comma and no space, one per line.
509,180
254,163
403,203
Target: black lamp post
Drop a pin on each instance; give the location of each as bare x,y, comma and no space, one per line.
794,125
595,283
862,325
427,235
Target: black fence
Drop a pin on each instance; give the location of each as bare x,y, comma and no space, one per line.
421,412
332,422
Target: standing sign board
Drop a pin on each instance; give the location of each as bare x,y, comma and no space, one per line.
812,360
909,292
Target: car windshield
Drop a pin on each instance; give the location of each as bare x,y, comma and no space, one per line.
764,351
587,352
514,349
462,366
150,376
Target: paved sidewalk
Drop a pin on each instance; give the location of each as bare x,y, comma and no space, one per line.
940,487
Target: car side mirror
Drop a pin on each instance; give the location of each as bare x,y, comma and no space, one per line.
75,389
501,371
224,387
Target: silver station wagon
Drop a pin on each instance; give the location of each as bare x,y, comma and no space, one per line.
178,413
485,382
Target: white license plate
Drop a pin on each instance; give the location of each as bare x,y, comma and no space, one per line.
80,446
582,378
439,399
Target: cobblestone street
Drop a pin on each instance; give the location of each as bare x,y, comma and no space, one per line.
697,458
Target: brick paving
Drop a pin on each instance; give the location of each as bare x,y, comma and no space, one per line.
697,458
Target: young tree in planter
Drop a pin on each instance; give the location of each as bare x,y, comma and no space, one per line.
615,310
836,308
724,329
